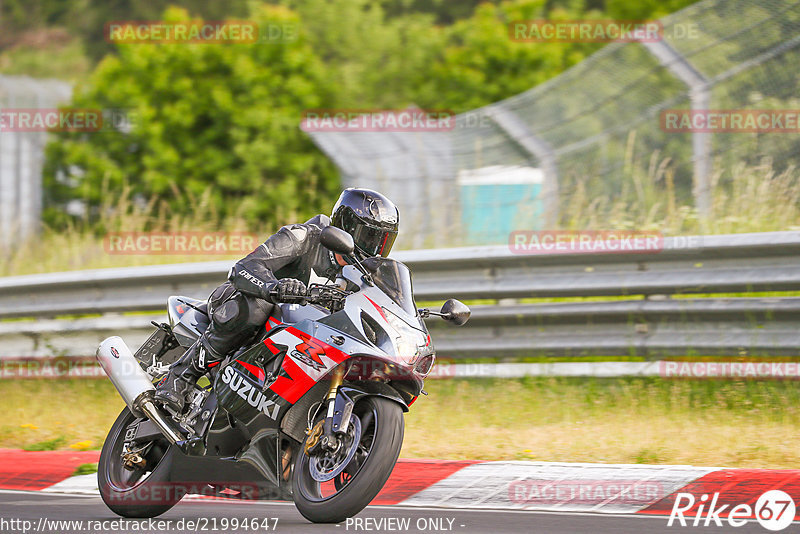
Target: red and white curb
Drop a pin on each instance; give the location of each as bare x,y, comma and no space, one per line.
23,470
573,487
516,485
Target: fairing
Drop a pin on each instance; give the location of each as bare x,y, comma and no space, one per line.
188,318
259,385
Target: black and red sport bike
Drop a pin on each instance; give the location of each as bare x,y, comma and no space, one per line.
310,410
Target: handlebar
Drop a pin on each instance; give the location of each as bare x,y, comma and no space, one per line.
322,294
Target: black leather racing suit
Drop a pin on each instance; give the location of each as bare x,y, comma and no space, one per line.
240,306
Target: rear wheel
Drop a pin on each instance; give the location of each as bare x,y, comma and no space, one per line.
330,487
141,489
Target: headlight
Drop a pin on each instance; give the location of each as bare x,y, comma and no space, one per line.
408,342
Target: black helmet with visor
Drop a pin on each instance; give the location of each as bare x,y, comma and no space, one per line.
368,216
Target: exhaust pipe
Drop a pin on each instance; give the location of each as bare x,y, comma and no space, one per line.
136,389
125,372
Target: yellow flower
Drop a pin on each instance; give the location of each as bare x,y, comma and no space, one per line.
28,425
81,445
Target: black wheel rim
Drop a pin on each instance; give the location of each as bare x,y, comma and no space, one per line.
315,491
121,479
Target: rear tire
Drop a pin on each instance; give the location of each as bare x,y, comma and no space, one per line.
370,477
148,497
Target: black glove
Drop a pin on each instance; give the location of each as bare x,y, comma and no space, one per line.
287,290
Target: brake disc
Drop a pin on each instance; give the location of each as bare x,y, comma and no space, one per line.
326,465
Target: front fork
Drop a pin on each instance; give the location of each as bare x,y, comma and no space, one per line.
337,419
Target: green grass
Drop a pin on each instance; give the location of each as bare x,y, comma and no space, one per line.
85,469
739,423
46,445
744,198
57,414
46,53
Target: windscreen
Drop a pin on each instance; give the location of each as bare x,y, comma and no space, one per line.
394,279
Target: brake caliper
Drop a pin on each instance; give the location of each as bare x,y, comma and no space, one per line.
313,437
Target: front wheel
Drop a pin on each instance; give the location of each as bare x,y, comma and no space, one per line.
327,492
141,488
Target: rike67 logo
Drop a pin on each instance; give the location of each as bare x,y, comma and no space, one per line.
774,510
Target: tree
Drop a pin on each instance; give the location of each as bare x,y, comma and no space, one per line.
480,62
373,59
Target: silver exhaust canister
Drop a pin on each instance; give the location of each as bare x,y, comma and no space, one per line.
124,370
134,386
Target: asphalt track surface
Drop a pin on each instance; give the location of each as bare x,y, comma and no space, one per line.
16,507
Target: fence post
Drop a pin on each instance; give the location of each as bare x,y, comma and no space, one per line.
520,134
700,99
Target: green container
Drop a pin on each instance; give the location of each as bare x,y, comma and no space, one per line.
498,200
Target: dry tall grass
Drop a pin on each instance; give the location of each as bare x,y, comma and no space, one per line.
746,199
81,245
754,198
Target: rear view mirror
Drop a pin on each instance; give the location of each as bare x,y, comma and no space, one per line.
337,240
456,312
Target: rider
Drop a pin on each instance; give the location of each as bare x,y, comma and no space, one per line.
283,265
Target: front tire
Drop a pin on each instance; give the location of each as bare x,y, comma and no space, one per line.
382,428
138,492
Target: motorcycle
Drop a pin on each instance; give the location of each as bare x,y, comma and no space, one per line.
310,410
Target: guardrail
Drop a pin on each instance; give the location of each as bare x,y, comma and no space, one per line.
653,320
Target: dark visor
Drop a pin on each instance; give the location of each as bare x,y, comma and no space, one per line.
373,241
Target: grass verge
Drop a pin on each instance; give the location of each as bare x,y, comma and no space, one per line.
736,423
57,414
85,469
739,423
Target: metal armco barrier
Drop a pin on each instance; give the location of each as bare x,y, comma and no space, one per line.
654,320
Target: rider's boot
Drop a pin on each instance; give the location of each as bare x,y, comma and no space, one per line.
182,375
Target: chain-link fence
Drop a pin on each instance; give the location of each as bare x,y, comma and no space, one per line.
516,163
22,155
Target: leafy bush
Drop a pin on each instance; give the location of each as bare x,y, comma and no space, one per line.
211,121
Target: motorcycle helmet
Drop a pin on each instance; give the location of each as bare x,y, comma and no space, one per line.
368,216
